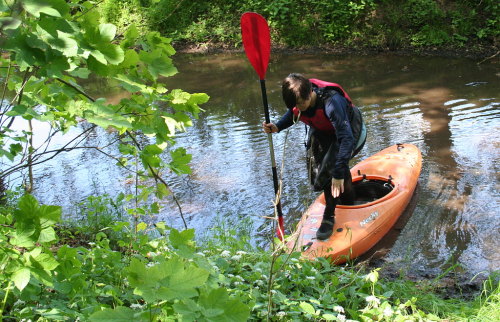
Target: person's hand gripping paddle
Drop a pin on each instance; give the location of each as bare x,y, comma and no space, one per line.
257,43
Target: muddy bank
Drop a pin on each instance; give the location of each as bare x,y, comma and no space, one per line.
473,51
448,285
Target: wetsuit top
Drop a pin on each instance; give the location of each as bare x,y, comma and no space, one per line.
336,113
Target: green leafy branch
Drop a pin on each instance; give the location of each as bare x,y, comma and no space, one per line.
56,46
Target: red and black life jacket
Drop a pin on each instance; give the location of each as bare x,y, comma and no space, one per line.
320,121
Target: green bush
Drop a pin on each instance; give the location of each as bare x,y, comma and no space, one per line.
376,23
163,274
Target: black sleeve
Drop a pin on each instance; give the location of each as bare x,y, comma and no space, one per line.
286,121
336,112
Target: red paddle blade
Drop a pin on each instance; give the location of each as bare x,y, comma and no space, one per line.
257,41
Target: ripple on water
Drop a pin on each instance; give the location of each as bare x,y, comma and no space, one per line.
455,101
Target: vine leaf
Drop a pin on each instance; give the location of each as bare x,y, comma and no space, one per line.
120,314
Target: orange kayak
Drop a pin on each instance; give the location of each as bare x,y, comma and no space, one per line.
383,185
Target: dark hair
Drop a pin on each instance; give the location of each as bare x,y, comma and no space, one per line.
295,86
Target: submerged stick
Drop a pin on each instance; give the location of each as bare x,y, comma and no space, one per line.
489,58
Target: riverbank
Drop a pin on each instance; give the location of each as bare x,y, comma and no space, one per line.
475,52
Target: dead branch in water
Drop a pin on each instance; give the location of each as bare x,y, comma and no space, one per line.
489,58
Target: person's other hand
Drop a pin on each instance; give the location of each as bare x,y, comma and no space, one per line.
337,187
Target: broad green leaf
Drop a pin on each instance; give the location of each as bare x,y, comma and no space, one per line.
66,252
104,116
80,72
192,104
130,35
130,85
148,294
161,227
155,41
57,40
26,56
178,96
9,23
186,306
184,252
127,149
99,56
158,63
99,108
149,156
54,72
90,19
36,40
153,149
97,67
49,215
143,240
141,276
160,129
216,299
131,32
166,294
47,235
160,88
180,160
47,261
173,266
53,26
184,119
181,238
59,62
120,314
7,154
142,226
23,236
306,307
162,191
35,7
236,311
17,110
130,59
42,276
112,53
52,314
171,124
191,277
28,207
214,315
155,209
21,277
15,148
76,107
107,32
198,98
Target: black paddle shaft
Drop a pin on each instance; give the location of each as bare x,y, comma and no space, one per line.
270,139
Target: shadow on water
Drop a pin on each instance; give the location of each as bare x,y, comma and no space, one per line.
449,108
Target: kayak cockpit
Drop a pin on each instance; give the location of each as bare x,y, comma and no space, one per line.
370,189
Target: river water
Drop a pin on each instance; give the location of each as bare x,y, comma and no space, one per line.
449,108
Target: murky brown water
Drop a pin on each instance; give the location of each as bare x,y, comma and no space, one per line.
449,108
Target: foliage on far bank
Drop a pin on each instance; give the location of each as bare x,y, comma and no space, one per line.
372,23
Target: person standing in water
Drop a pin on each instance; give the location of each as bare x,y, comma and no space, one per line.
337,133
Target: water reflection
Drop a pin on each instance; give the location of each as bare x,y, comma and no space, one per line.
449,108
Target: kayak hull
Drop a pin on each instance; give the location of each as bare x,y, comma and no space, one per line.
389,177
